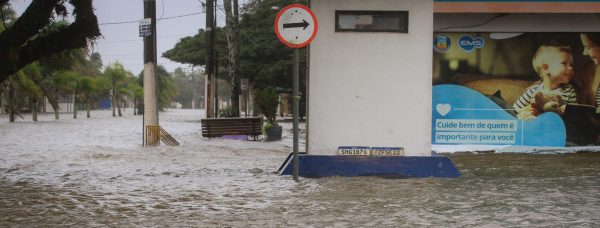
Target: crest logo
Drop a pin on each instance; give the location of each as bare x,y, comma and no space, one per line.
441,43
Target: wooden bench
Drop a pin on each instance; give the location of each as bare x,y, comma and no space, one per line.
217,127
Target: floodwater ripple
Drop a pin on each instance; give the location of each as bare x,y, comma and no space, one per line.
66,173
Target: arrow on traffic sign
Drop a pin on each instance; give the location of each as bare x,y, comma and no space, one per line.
302,25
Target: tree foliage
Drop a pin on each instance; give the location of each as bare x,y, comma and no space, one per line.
266,99
189,50
119,79
7,14
28,39
264,60
167,89
190,87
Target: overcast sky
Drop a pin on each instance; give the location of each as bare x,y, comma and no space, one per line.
121,42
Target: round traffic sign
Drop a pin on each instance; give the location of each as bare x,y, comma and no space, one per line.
296,25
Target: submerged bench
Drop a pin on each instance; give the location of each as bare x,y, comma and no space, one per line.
217,127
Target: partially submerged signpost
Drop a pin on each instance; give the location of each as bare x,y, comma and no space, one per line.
296,26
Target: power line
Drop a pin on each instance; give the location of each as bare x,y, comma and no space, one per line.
139,40
166,18
185,15
163,10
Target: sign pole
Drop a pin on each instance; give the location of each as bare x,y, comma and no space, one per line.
296,26
296,101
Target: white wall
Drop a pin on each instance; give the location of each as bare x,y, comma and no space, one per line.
63,105
371,89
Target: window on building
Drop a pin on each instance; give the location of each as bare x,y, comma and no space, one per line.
371,21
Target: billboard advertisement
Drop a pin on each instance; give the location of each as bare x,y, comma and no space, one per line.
516,89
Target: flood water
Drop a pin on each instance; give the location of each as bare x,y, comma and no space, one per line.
93,172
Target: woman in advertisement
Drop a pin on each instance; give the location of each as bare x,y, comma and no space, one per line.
587,85
587,80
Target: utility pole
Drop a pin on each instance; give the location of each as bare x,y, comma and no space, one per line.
208,69
150,84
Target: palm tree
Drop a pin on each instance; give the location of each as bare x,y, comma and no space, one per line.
22,91
166,88
117,75
29,75
92,89
67,82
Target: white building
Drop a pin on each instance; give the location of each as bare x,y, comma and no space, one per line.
373,88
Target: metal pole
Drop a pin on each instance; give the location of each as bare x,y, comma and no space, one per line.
296,101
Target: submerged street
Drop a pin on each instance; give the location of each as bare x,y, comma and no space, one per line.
95,172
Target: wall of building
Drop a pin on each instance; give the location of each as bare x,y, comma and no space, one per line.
65,104
371,89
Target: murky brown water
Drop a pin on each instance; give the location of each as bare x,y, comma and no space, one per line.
495,190
92,172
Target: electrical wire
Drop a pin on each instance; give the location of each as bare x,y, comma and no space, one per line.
163,10
139,40
166,18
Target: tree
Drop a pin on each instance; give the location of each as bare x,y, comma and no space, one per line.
266,99
93,89
96,61
189,50
189,87
166,87
117,75
67,83
50,66
8,15
26,41
28,76
233,46
137,93
264,60
90,87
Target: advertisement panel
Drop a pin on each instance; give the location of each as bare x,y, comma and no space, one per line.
517,89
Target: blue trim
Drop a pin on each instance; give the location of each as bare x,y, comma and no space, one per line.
406,166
